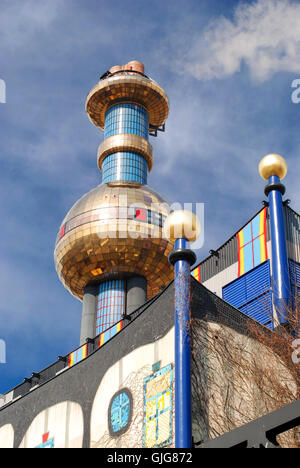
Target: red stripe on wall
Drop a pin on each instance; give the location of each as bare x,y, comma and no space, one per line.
265,229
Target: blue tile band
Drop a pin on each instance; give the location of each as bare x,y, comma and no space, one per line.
124,167
126,118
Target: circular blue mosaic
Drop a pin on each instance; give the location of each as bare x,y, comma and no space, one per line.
120,409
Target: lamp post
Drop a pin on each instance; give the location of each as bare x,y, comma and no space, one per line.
273,168
181,227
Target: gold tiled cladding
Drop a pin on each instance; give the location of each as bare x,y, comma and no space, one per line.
125,142
111,246
127,88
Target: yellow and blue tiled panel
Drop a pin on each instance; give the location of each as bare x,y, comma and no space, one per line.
196,273
108,334
82,352
252,243
78,355
158,408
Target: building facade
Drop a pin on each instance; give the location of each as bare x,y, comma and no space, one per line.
241,270
117,389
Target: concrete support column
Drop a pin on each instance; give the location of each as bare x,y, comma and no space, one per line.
136,293
89,306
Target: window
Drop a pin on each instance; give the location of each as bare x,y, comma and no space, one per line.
120,412
252,243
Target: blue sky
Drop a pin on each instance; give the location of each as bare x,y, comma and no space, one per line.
227,68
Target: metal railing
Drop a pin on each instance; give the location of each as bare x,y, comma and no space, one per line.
261,433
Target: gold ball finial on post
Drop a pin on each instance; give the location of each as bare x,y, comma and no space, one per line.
182,224
272,165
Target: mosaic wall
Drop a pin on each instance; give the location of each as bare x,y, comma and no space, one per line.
134,404
158,408
143,395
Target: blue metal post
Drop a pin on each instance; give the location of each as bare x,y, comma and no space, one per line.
183,408
281,280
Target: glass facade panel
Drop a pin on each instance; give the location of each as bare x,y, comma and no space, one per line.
126,118
110,305
124,167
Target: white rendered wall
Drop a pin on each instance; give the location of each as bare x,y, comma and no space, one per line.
6,436
63,421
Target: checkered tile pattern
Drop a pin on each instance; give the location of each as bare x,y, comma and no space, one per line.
126,118
111,303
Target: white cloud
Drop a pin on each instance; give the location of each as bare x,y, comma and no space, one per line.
21,21
264,35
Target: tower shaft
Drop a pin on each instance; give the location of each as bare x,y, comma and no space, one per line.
111,252
126,166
